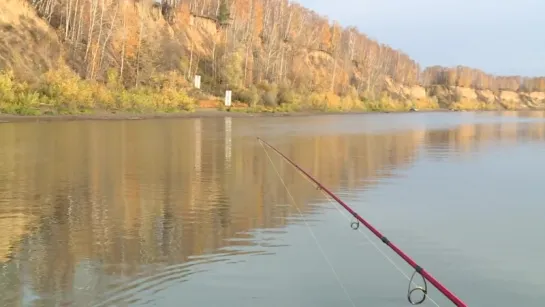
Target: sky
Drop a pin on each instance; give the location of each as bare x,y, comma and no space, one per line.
501,37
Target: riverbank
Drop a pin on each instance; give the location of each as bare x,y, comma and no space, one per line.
62,95
206,113
198,113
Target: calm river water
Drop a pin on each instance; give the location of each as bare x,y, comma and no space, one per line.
190,212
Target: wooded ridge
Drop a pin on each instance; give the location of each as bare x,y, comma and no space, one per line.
269,52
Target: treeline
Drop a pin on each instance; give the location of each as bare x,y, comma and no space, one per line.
272,41
241,44
474,78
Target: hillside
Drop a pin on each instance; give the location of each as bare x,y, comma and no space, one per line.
271,53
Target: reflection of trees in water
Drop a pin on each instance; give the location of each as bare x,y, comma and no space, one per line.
468,138
125,194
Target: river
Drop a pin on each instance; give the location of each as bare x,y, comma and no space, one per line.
190,212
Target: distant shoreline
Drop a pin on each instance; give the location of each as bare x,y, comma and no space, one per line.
202,113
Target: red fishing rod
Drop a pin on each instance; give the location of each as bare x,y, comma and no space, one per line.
418,269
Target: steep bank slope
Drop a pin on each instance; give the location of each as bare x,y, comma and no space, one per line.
28,45
463,98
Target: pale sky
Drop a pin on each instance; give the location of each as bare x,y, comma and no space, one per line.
504,37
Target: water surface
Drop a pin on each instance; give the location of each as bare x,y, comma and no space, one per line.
191,211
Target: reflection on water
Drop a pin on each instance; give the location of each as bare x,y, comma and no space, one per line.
100,212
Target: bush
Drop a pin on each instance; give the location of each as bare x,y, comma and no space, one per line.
248,96
288,96
66,92
17,98
469,105
63,92
427,104
385,103
270,96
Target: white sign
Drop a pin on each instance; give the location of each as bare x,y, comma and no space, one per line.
197,81
227,98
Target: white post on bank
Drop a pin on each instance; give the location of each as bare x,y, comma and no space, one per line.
227,98
198,81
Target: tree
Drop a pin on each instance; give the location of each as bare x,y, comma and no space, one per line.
224,14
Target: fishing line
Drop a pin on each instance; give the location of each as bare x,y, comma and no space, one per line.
310,229
355,225
424,274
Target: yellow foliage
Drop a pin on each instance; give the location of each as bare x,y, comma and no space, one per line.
128,33
316,102
385,103
332,101
471,105
349,103
62,91
67,91
16,98
426,104
325,36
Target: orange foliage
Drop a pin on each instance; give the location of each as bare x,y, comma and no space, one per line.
258,17
325,36
243,9
183,15
336,31
130,33
296,21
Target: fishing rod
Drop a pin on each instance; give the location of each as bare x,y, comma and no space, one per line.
355,225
